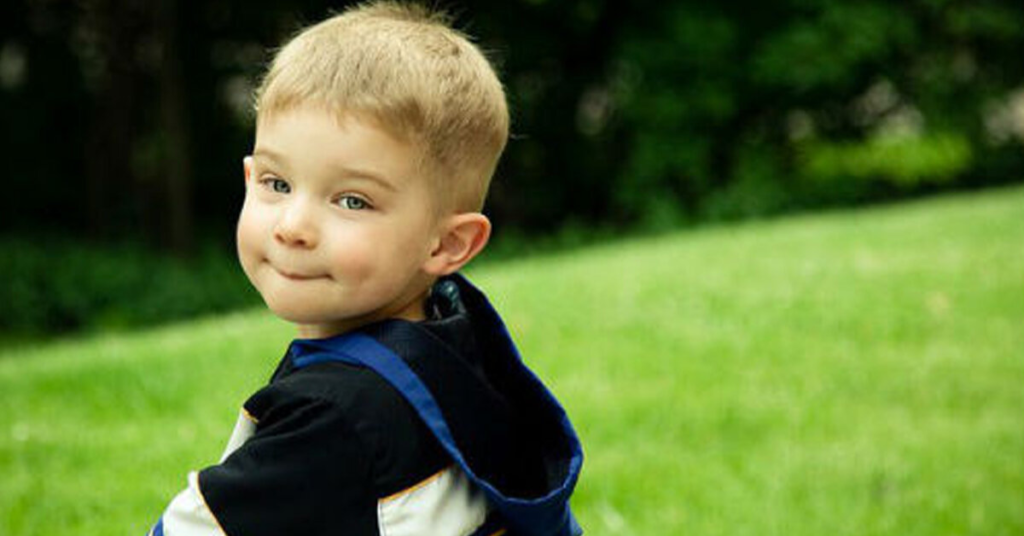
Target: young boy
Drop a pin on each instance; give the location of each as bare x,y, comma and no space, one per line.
404,407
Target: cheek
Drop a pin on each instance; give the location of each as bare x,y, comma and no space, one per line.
355,260
250,232
374,255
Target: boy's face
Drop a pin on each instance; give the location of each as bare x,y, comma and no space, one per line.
337,222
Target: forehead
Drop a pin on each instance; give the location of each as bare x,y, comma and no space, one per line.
317,140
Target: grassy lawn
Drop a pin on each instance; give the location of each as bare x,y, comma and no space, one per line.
855,372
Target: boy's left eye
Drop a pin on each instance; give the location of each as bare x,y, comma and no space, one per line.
352,202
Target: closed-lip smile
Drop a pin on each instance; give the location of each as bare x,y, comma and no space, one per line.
295,276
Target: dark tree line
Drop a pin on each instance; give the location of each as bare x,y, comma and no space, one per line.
129,118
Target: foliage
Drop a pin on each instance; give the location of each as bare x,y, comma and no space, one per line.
846,373
901,161
625,113
56,285
721,105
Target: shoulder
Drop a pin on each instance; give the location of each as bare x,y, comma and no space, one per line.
338,385
356,403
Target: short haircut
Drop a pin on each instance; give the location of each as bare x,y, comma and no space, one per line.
403,66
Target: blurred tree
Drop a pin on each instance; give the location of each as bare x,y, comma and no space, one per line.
176,174
127,121
108,39
129,118
739,109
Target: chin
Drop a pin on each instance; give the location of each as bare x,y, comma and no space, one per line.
300,314
297,316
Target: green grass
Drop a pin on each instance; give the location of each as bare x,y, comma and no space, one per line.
847,373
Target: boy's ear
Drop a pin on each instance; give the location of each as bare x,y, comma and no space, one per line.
462,237
247,167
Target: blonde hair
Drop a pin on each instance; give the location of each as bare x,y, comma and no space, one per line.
403,66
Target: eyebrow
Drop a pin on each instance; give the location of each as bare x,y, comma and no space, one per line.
348,172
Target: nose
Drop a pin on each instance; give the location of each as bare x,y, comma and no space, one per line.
296,226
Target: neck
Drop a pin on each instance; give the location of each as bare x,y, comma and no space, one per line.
411,310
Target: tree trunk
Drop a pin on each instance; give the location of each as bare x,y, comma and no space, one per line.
175,176
112,131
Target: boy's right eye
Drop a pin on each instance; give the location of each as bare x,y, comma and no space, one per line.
276,185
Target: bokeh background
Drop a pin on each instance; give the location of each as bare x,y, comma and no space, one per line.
770,255
124,124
